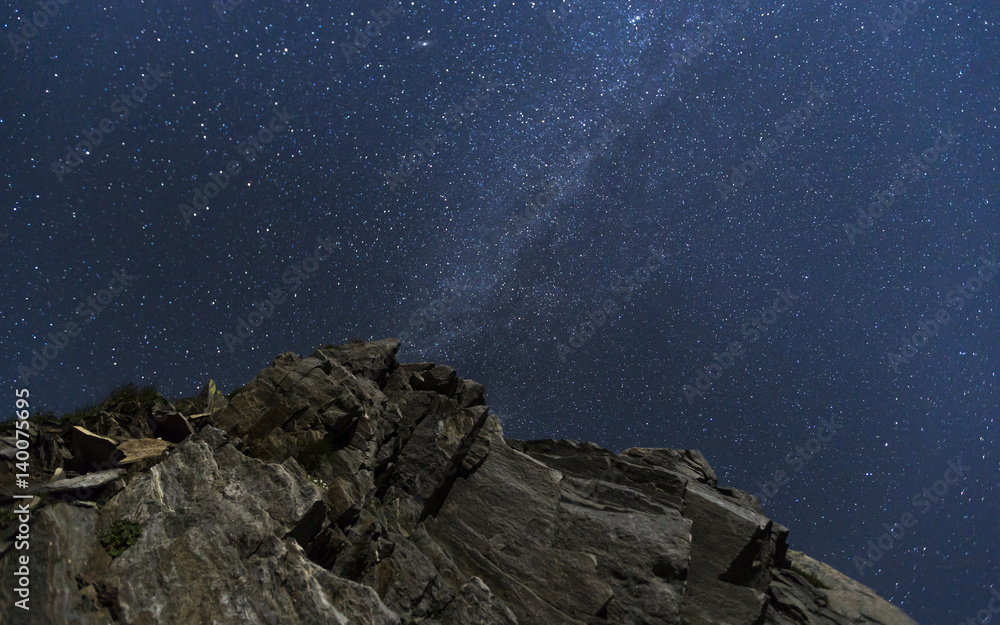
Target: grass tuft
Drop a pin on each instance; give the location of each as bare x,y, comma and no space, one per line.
120,536
125,398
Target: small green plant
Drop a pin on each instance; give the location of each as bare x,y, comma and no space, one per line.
81,413
6,517
120,536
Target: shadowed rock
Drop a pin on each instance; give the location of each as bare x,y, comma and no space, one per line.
346,487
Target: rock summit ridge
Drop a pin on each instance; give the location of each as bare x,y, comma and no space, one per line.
348,488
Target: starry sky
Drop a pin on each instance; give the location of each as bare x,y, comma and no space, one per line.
733,226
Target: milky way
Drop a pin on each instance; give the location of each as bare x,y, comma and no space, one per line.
764,231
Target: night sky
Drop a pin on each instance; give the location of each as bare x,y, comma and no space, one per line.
744,227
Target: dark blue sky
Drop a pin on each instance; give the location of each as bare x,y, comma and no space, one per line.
579,204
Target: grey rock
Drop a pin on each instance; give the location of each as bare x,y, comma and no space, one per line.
838,599
64,549
81,487
172,426
371,360
346,487
92,451
8,448
475,603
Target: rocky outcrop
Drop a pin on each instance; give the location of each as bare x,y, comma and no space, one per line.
345,487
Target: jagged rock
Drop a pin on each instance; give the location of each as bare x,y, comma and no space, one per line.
171,425
476,604
348,488
838,599
138,449
213,521
371,360
64,549
91,451
8,448
276,412
82,487
431,377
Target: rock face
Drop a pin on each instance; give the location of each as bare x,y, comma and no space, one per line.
346,487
